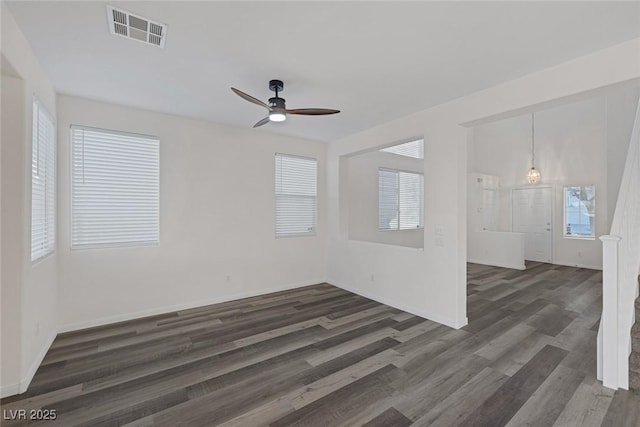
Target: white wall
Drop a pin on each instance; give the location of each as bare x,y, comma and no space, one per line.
482,201
498,248
13,239
362,181
216,221
432,282
30,288
572,145
486,245
620,108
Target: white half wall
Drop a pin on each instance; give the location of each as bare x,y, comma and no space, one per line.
217,221
498,248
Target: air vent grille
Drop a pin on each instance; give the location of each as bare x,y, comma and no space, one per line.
126,24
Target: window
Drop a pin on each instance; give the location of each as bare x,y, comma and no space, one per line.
400,200
296,190
579,211
43,183
115,187
413,149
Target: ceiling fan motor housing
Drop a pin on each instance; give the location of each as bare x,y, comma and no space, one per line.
277,102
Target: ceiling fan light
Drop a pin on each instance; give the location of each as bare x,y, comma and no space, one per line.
277,116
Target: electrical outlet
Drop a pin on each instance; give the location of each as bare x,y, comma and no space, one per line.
373,278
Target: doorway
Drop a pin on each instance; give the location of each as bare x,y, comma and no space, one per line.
532,214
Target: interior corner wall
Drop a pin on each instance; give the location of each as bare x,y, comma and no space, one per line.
217,221
432,282
30,290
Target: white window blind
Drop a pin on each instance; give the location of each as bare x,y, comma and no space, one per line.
115,186
413,149
43,183
400,200
296,193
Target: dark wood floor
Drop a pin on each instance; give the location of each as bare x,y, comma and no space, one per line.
321,356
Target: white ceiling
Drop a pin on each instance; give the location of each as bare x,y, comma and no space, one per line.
375,61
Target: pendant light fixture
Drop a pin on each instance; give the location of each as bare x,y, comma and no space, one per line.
533,176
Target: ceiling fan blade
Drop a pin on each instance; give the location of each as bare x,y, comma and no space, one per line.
313,111
262,122
249,98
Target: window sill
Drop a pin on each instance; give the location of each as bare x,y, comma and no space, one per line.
123,245
404,229
286,236
42,259
573,237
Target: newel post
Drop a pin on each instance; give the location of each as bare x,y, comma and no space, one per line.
609,320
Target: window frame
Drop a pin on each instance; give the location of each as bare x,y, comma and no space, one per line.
420,214
566,235
113,245
50,247
390,149
314,231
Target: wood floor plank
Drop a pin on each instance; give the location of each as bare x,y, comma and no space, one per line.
511,361
548,401
588,406
458,405
500,407
344,402
422,396
320,355
624,410
406,324
389,418
500,345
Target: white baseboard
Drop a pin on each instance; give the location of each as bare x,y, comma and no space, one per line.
497,264
429,316
590,267
9,390
75,326
23,385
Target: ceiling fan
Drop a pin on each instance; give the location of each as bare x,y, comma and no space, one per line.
277,108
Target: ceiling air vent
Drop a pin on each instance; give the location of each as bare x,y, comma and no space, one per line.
126,24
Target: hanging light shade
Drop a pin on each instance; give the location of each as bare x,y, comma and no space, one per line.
533,176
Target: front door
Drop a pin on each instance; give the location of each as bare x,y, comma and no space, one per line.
532,215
